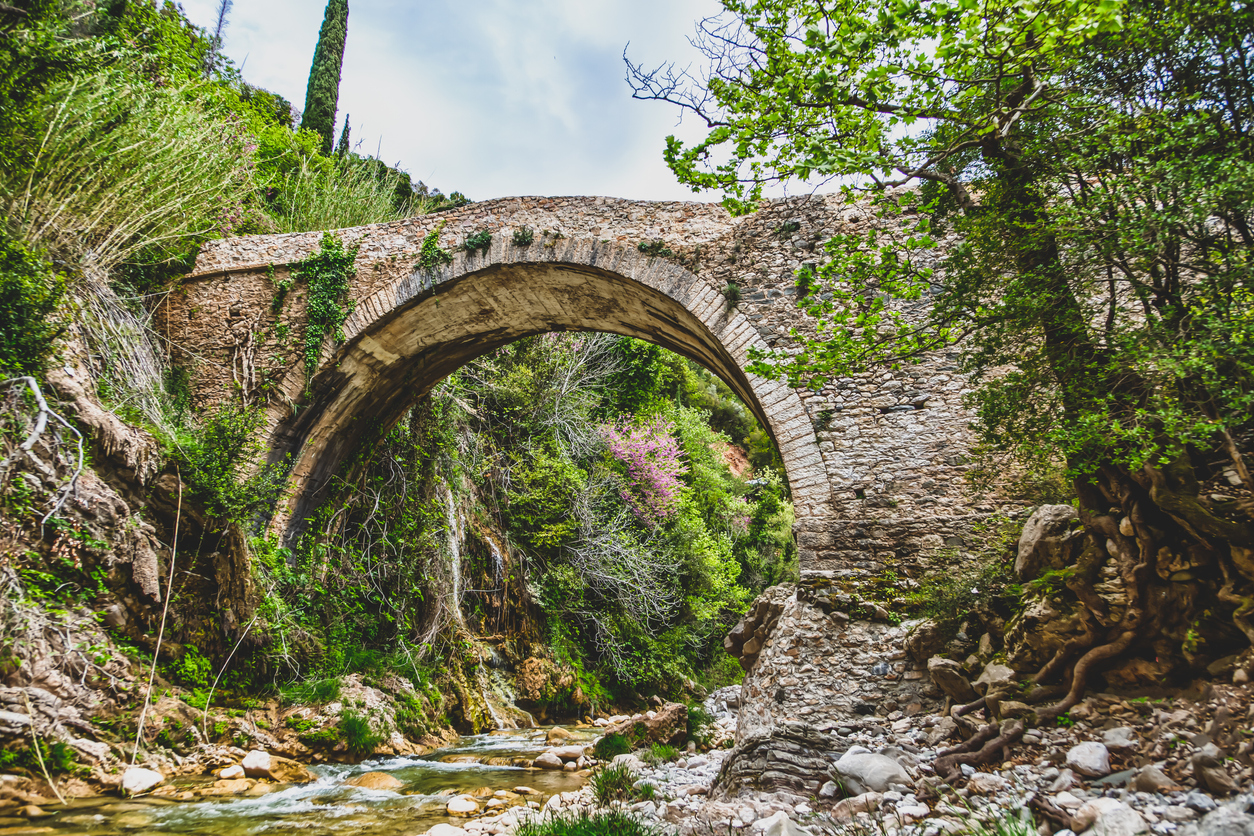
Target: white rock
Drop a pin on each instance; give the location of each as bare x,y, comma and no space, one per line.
568,753
231,772
257,764
548,760
1110,817
136,780
868,772
1067,801
1120,738
443,829
1089,758
462,805
632,762
777,825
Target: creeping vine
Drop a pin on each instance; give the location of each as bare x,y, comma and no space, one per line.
328,272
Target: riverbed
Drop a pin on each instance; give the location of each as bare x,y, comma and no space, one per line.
478,765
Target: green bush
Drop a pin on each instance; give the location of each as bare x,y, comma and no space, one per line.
584,823
311,691
700,724
660,753
358,734
29,295
215,456
612,783
610,746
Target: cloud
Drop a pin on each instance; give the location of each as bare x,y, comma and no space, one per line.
489,97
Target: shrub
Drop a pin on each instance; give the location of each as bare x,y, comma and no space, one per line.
700,724
584,823
610,746
523,236
312,691
480,240
612,783
359,735
216,453
29,295
660,753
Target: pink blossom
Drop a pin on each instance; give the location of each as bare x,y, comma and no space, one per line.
652,458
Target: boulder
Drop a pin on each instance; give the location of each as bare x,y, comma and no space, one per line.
985,783
1089,758
846,809
1119,738
865,771
548,760
557,734
1046,541
996,679
1153,779
568,753
375,781
778,824
137,780
462,805
669,724
1108,817
633,763
231,772
924,641
257,764
1216,780
1228,820
443,829
947,675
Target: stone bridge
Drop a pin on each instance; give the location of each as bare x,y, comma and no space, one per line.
874,463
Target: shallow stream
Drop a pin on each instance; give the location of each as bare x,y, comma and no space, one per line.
328,805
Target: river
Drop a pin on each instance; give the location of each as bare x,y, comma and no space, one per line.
477,764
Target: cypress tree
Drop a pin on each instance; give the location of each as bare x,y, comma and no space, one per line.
323,93
341,148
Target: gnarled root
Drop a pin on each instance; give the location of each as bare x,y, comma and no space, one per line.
985,746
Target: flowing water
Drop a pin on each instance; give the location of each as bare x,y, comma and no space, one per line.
328,805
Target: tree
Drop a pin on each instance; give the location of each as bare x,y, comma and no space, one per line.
323,93
1094,159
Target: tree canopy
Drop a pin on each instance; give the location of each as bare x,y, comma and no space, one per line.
1087,166
322,96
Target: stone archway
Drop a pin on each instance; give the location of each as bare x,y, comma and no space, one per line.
410,333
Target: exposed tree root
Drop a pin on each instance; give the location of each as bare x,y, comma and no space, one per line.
988,745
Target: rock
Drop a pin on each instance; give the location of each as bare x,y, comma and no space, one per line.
375,781
1201,802
1108,817
996,678
1153,779
1064,781
984,783
829,790
947,675
1046,541
568,753
557,734
232,771
1119,738
746,639
1216,779
257,764
1229,820
33,811
864,771
1011,709
942,731
136,780
778,825
633,763
528,790
443,829
925,641
669,724
462,805
1089,759
867,802
548,760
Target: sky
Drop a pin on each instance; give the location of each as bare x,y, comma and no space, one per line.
491,98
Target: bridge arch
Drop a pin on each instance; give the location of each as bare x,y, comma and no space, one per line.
410,333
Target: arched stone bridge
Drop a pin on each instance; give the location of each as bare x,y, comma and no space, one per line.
874,463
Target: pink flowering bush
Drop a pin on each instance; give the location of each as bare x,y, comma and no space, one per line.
652,458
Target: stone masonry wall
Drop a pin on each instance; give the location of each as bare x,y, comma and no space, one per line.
893,444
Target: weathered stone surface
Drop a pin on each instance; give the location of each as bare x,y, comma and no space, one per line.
1089,758
947,674
746,639
257,764
548,760
1109,817
375,781
1153,779
462,806
868,772
1046,541
669,724
137,780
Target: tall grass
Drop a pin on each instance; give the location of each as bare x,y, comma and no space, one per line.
121,168
349,193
